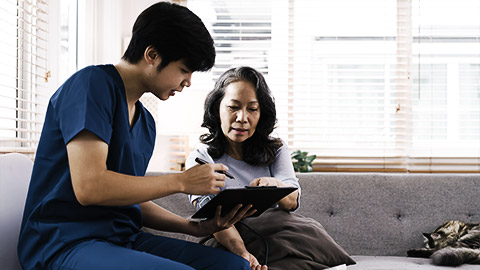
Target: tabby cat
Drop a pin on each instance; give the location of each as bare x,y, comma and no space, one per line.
452,244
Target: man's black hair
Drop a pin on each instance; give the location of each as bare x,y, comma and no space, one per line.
175,33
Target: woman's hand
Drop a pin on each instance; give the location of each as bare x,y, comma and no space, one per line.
219,223
267,181
288,202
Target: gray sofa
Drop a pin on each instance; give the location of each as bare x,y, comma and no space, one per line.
376,218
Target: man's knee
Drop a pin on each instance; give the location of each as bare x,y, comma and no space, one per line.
232,261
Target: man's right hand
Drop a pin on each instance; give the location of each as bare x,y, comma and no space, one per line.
204,179
219,223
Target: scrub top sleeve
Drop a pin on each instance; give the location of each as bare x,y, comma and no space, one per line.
87,101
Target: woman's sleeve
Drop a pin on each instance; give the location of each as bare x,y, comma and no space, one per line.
190,162
282,168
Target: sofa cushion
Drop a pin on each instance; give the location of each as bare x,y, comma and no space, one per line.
295,242
400,263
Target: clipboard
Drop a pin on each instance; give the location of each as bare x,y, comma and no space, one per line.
261,198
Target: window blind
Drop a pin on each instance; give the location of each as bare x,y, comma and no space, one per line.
387,85
242,34
375,85
350,97
23,74
446,92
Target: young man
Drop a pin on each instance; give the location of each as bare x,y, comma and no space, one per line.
88,197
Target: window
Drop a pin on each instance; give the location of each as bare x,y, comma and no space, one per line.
375,85
23,74
446,86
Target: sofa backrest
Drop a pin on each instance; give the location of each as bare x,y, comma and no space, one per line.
386,214
376,214
15,171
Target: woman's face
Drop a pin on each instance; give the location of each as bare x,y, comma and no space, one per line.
239,112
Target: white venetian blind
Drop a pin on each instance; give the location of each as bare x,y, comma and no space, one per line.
387,85
242,34
23,74
446,93
247,33
350,84
374,85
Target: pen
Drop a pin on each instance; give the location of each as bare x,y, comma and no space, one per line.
201,161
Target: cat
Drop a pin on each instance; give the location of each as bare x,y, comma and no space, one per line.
452,244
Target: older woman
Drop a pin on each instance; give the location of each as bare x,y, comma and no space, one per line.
240,116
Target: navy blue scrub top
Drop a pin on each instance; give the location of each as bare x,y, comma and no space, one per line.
92,99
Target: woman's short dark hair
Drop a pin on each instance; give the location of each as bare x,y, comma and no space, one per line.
260,148
175,33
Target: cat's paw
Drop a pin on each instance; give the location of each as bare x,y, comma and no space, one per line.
419,253
447,256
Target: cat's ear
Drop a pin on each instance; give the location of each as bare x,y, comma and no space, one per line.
435,236
432,236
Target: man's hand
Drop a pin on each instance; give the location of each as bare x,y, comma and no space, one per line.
204,179
218,223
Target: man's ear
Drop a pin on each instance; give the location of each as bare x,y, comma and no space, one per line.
151,55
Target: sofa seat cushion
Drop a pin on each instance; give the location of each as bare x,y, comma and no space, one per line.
400,263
